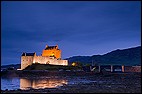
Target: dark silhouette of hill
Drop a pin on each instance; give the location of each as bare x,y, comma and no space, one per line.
16,66
130,56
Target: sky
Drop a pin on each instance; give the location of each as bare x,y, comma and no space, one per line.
80,28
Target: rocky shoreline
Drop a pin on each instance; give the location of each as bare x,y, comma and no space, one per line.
114,83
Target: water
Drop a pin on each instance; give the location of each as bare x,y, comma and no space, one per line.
14,83
84,83
10,83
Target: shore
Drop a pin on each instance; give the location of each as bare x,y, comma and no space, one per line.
124,83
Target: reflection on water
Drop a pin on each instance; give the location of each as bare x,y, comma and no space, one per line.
13,83
36,83
41,83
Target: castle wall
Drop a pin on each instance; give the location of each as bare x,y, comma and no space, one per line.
55,52
49,60
62,62
42,59
26,61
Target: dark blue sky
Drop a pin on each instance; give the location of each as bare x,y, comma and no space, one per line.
79,28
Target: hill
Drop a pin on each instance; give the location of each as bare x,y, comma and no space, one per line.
130,56
16,66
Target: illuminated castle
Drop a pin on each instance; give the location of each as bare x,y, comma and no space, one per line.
50,55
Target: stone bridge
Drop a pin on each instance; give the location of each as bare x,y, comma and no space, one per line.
109,68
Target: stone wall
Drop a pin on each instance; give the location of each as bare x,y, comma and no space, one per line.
26,61
49,60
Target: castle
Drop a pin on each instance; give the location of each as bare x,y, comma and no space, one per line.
50,55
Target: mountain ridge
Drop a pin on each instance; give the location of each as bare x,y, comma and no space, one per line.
129,56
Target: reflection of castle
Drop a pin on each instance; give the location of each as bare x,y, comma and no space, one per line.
50,55
42,83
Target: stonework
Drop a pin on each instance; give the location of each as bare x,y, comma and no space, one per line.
50,55
52,51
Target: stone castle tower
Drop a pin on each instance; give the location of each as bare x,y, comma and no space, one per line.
52,51
50,55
